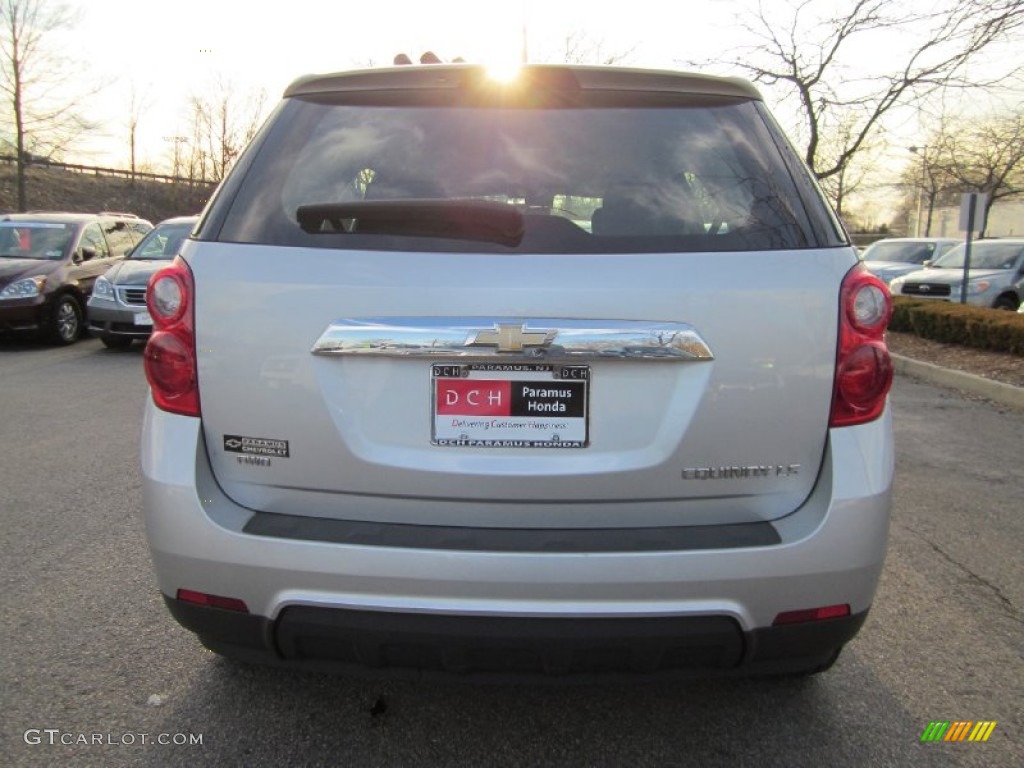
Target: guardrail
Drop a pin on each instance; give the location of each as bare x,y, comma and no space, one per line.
119,173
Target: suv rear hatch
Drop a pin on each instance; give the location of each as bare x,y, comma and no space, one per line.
396,284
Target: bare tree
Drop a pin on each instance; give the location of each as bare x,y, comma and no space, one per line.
853,175
985,156
224,121
137,104
926,182
197,160
580,48
33,78
929,180
920,51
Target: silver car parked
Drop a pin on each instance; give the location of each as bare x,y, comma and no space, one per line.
568,375
898,256
117,308
995,275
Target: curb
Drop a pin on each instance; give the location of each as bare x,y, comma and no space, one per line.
996,391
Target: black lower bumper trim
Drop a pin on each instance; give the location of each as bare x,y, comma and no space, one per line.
514,647
239,630
784,643
508,645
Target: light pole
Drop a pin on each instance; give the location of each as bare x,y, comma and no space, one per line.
923,152
524,54
178,141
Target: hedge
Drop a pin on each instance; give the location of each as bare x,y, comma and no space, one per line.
993,329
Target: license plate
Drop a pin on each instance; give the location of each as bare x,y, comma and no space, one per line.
143,318
496,405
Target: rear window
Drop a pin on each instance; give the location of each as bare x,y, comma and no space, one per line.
702,176
900,253
163,242
34,239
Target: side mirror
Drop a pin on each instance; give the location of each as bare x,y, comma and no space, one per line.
927,263
88,253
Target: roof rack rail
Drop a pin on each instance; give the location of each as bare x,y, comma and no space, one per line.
119,213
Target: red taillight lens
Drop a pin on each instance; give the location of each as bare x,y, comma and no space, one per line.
863,366
865,375
169,364
813,614
212,601
170,357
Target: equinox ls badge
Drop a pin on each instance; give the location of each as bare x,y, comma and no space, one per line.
510,337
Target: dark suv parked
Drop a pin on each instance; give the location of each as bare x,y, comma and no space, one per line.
49,262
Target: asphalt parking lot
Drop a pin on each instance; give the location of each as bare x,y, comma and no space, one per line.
95,672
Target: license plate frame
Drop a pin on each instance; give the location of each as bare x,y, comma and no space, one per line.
510,405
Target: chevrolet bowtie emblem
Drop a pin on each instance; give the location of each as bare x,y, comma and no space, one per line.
510,337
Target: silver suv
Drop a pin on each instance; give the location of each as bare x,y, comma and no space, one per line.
575,374
117,307
995,275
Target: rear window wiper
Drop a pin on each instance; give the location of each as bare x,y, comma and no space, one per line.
456,219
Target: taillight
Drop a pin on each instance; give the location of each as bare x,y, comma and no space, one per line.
170,358
863,365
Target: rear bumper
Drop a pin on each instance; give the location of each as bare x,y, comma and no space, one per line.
336,600
497,647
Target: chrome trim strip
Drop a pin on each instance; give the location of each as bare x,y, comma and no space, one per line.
447,337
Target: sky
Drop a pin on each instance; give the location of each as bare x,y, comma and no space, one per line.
166,52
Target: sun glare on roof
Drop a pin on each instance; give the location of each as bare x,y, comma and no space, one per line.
503,72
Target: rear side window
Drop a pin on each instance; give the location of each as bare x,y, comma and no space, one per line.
139,230
705,176
901,253
92,238
118,236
